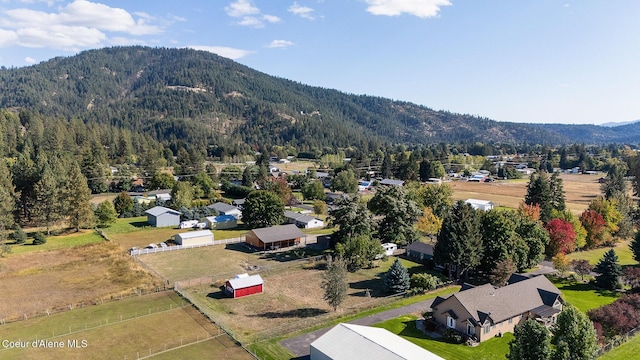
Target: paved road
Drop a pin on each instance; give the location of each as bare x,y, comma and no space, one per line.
299,345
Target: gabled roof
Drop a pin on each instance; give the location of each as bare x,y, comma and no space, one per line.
421,247
159,210
195,234
478,202
278,233
246,281
222,207
349,341
485,301
291,214
392,182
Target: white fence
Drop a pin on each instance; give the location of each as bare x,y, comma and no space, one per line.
180,247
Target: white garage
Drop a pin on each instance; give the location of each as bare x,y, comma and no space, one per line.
194,238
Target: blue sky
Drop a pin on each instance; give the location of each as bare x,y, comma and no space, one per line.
541,61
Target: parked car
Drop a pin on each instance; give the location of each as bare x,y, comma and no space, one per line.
151,246
162,244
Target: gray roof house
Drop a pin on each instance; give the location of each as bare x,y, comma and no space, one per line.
420,251
391,182
355,342
160,216
302,221
226,209
482,312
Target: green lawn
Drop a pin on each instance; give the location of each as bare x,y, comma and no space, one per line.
495,348
584,296
625,255
59,242
628,350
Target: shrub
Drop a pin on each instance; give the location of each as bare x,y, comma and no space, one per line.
452,336
425,281
39,239
19,236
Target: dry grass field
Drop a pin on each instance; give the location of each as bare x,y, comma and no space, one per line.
55,279
136,327
579,191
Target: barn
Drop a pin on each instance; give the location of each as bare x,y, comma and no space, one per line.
194,238
275,237
243,285
160,216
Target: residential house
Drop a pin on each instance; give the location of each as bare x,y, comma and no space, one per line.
302,221
357,342
483,312
226,209
160,216
420,251
275,237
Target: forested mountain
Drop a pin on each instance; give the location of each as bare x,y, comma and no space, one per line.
192,98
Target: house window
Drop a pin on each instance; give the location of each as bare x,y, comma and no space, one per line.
487,328
451,322
471,330
510,320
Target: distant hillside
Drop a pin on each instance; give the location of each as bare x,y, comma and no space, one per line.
195,98
614,124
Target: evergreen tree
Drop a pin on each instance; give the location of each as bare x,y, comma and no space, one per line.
396,279
574,336
615,183
249,176
78,200
385,169
49,202
610,270
635,247
335,282
539,192
531,342
459,243
7,198
263,209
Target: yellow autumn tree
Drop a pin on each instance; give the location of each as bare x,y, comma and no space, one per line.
429,223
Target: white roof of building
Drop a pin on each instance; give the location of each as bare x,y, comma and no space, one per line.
353,342
478,202
194,234
159,210
246,281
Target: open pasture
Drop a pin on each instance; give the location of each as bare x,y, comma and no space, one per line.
579,190
53,280
137,327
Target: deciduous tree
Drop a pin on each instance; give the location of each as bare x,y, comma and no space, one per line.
352,218
399,214
105,214
562,237
582,267
335,283
263,209
359,251
574,336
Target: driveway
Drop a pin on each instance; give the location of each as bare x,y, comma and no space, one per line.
299,345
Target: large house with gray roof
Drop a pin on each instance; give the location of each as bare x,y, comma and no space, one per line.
482,312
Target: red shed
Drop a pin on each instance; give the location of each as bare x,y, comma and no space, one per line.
243,285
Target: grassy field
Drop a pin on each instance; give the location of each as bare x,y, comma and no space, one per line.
579,191
59,242
405,326
137,326
628,350
625,255
584,296
55,279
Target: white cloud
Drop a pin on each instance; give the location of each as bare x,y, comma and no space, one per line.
419,8
302,11
30,60
249,14
79,24
280,44
241,8
228,52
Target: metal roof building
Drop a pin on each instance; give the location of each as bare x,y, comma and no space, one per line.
355,342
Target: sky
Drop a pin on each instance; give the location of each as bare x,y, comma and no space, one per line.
534,61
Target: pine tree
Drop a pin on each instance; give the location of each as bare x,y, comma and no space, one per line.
48,206
7,198
539,192
531,342
399,215
574,336
635,247
78,200
351,217
610,270
397,279
335,283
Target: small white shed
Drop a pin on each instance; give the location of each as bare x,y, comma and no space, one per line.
191,238
389,248
483,205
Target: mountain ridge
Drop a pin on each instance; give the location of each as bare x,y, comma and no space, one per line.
188,96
